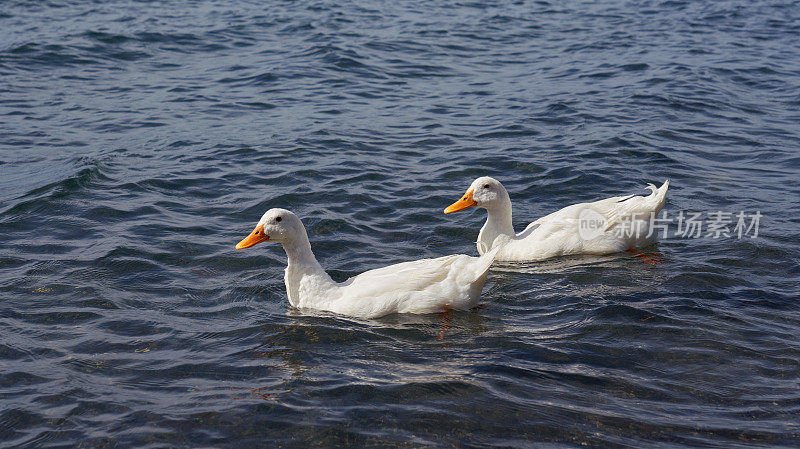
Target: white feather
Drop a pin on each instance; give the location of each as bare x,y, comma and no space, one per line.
420,286
557,234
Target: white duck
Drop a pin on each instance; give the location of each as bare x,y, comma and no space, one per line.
421,286
602,227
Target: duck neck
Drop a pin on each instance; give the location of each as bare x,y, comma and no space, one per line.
299,255
303,266
498,223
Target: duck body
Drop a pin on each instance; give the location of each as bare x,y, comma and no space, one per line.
601,227
421,286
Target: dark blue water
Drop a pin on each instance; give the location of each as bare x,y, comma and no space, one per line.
139,141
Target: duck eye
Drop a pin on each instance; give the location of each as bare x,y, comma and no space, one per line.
278,218
487,186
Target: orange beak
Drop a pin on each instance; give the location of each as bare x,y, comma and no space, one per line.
465,202
255,237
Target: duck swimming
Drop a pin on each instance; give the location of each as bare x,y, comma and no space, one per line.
421,286
602,227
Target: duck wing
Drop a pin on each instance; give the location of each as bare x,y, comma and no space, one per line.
421,286
614,210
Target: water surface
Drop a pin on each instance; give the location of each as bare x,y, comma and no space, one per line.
141,140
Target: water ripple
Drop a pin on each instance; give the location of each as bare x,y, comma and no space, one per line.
142,140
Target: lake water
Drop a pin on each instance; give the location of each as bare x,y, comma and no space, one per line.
140,141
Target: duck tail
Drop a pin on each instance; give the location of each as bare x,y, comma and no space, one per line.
660,195
483,263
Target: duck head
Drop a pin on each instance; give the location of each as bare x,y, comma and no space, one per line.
276,225
485,192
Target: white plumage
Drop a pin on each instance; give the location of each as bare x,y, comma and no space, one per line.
421,286
601,227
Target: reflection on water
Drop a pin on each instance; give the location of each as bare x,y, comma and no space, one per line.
140,141
580,262
274,354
